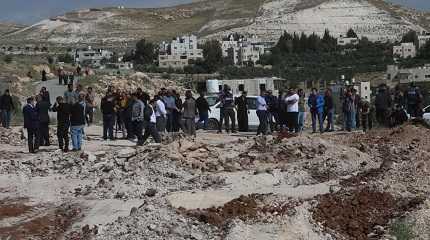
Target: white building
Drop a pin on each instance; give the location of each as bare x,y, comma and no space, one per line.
179,52
408,75
252,86
91,56
405,50
343,41
244,50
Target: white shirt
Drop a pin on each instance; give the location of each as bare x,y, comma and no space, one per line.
161,109
294,107
261,104
153,116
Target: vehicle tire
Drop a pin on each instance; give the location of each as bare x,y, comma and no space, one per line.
213,124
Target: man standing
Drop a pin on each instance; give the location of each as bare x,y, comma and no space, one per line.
316,105
382,105
169,101
45,95
413,100
302,109
272,104
6,108
329,110
204,109
70,96
262,113
137,117
161,114
77,122
348,107
107,107
229,112
189,114
242,112
292,101
43,108
63,123
31,123
90,101
150,121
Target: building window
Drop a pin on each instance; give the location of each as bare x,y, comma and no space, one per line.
241,87
427,76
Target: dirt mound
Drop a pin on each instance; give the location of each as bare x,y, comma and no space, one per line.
356,213
36,222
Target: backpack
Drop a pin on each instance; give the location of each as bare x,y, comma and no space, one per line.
147,113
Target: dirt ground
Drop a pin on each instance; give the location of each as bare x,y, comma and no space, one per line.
309,186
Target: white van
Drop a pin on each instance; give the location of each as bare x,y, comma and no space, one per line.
252,114
426,115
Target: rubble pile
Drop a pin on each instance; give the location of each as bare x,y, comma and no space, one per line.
136,80
11,136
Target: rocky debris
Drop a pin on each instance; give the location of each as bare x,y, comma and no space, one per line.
362,213
12,137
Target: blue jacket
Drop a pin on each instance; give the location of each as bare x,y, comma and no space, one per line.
316,103
31,117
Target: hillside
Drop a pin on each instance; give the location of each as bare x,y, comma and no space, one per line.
265,18
6,28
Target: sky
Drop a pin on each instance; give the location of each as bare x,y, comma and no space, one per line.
31,11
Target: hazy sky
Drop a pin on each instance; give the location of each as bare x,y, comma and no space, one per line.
31,11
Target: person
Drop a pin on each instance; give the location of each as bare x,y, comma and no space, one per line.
91,104
262,113
177,114
398,116
229,113
70,96
45,95
203,109
292,101
348,110
382,105
366,115
78,70
302,109
121,103
398,98
43,108
413,100
316,106
357,107
282,111
189,114
6,108
329,110
272,111
169,101
150,124
63,123
44,78
77,122
221,108
242,112
31,123
60,76
108,110
161,114
128,112
137,117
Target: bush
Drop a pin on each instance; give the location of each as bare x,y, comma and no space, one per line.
66,58
8,59
402,230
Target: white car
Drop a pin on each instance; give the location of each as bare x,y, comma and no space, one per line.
426,116
253,121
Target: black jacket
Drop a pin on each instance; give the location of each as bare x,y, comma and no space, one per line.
6,103
63,113
328,103
77,115
43,111
202,104
383,100
31,117
107,107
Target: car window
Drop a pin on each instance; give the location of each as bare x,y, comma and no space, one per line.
252,103
427,110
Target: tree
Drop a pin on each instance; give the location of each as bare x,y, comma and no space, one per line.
8,59
351,33
145,52
411,37
424,52
212,54
65,58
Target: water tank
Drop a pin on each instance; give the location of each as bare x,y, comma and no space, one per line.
212,86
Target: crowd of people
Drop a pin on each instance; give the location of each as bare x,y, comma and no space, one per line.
138,116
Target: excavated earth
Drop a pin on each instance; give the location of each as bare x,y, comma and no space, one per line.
310,186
